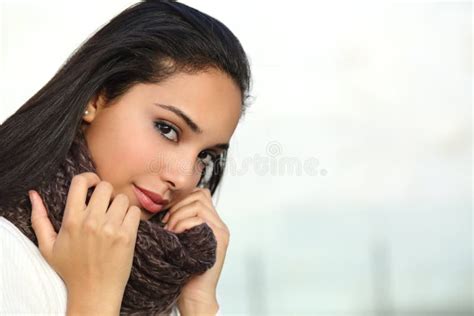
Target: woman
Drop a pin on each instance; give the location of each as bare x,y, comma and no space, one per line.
107,172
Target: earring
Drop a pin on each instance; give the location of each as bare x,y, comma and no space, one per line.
86,112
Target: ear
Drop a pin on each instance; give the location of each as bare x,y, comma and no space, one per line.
94,106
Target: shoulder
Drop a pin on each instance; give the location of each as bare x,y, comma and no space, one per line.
28,284
13,244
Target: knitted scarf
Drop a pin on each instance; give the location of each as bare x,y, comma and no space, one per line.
163,261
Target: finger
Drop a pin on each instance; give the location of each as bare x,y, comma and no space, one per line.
100,199
117,210
131,221
207,197
204,197
187,223
196,208
41,224
197,194
166,217
78,193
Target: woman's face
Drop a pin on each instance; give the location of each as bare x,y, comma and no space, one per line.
141,140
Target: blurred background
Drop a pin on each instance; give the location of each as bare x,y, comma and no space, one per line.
348,189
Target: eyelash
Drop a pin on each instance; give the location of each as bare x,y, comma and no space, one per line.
159,123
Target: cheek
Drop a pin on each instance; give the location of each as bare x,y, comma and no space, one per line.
121,150
139,149
126,149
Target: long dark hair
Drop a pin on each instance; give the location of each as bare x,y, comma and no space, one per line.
146,43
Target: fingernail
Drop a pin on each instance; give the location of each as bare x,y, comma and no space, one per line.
30,195
166,227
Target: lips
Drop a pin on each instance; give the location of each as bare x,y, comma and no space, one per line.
151,201
155,197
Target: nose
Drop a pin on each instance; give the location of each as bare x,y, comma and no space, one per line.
180,172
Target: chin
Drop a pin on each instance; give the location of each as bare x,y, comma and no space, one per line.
144,216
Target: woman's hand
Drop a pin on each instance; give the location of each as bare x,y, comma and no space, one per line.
93,251
200,292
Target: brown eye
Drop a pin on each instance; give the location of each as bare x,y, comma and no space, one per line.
207,157
207,160
167,131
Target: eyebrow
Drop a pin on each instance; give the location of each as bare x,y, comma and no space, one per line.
192,125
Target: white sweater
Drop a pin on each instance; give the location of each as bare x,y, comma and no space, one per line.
28,284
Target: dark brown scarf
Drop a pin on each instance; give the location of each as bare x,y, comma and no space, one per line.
163,261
